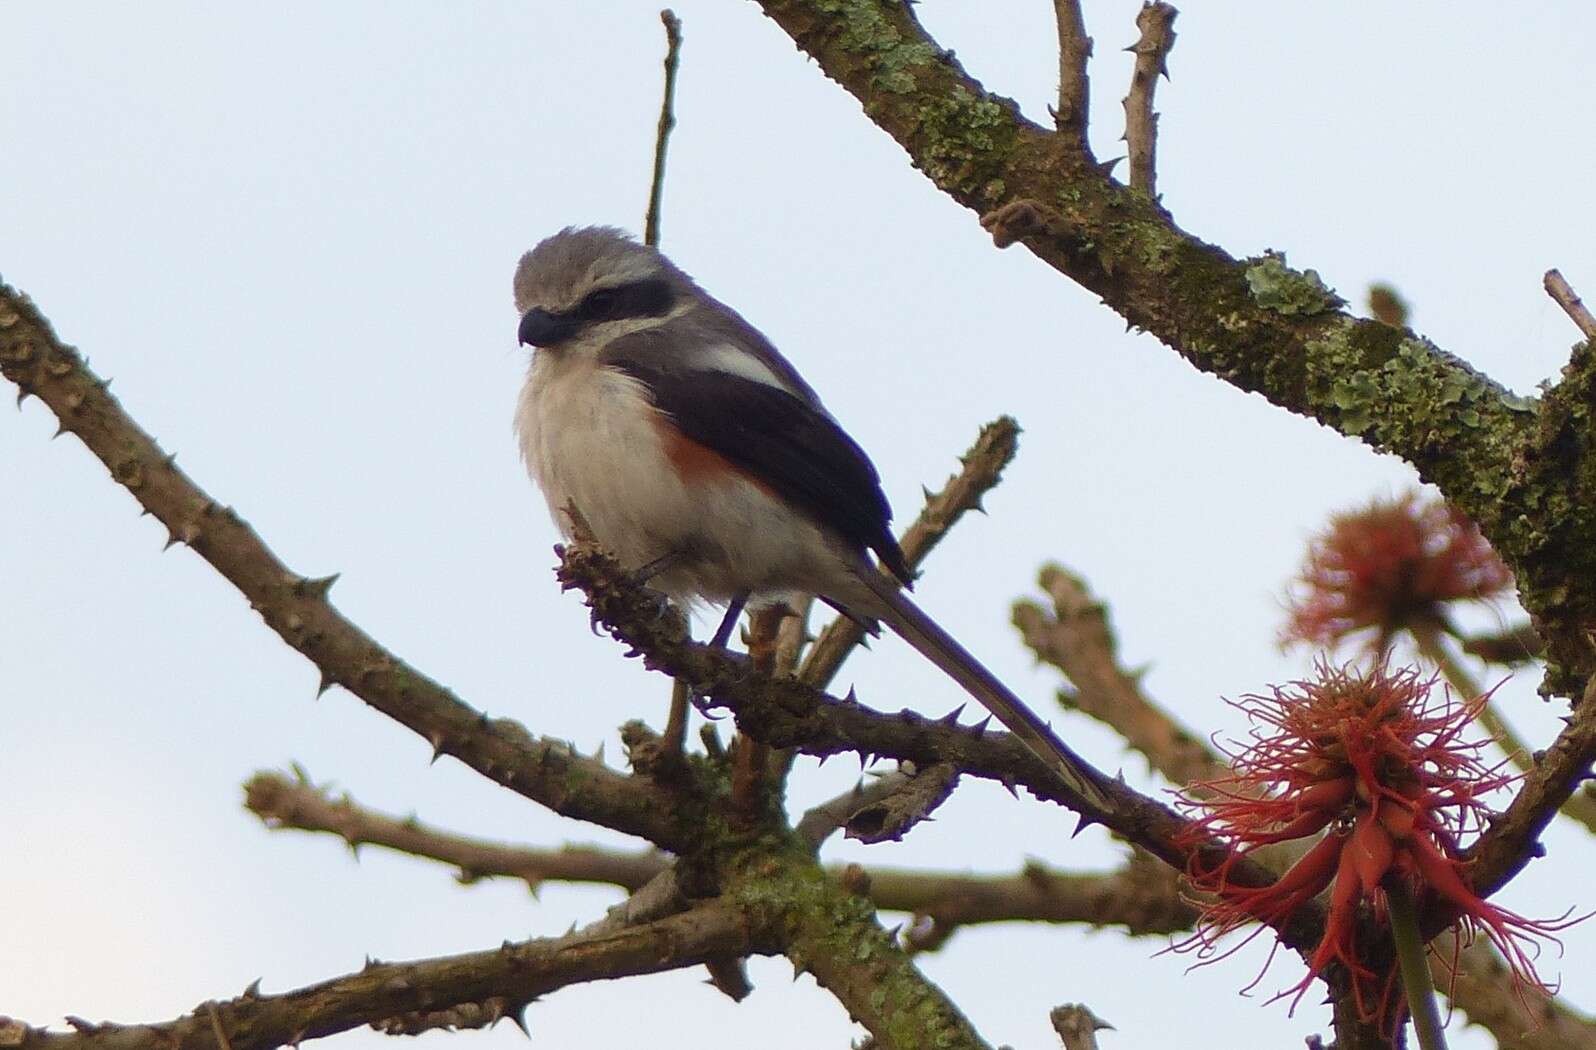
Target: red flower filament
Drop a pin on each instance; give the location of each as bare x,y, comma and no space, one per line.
1377,764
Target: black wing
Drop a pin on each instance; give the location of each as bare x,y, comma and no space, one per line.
795,448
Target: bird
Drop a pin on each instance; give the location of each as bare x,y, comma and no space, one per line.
699,457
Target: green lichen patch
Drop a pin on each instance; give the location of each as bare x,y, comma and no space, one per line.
1278,288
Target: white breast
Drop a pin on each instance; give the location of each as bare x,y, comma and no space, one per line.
590,437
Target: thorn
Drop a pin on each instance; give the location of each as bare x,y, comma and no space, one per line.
252,990
852,697
517,1017
823,759
1084,823
1008,785
952,717
325,683
978,505
1107,166
979,728
924,491
60,428
598,756
437,741
315,586
22,395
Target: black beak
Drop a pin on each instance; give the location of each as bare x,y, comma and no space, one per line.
541,328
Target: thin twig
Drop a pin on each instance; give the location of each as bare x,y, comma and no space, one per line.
667,121
1156,22
284,803
982,469
1560,290
1074,90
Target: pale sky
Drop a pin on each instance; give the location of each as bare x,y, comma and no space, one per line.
288,235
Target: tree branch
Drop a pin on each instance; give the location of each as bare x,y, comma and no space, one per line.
499,981
1157,24
1256,323
296,607
283,803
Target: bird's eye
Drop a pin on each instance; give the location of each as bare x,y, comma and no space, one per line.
599,303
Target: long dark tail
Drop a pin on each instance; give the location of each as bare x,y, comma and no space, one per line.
919,630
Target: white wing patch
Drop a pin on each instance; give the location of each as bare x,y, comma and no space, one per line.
734,360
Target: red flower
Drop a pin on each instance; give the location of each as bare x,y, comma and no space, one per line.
1378,765
1390,565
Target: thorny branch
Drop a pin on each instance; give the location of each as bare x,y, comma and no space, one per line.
1074,636
981,468
296,606
789,713
1142,897
1074,86
1157,24
489,984
1256,323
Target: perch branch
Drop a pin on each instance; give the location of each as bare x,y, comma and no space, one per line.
788,713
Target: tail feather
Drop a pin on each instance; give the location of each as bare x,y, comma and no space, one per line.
911,624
